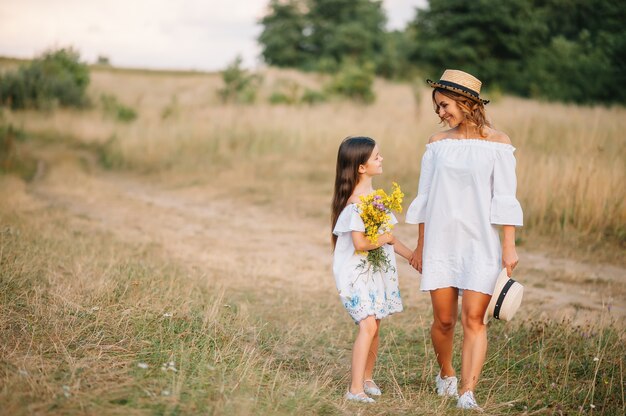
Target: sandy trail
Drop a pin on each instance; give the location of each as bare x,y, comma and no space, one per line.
281,253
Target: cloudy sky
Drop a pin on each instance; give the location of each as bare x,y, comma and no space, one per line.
183,34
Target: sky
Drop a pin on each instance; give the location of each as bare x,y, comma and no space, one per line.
159,34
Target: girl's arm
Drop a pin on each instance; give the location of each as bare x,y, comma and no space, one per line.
361,243
509,254
416,257
402,250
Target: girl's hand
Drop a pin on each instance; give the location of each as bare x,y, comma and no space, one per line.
387,238
509,259
416,258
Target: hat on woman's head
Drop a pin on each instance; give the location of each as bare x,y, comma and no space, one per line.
461,83
506,298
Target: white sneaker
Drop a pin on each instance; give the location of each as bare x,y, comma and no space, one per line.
447,386
371,388
467,401
359,397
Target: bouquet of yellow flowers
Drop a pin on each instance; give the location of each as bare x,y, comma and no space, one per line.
375,210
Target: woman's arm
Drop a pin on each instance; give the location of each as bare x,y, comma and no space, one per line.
361,243
416,257
509,254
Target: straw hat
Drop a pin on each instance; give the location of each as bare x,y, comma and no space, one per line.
506,298
461,83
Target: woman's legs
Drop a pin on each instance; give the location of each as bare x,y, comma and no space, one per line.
445,309
368,330
474,350
372,354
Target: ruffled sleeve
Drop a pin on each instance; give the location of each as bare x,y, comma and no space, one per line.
416,213
349,220
505,208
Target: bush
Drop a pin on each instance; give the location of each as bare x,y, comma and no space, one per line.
56,78
313,97
113,108
355,82
239,87
278,97
287,92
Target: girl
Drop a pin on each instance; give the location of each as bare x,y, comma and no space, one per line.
368,296
467,186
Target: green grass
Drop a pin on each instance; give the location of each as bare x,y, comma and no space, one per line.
81,311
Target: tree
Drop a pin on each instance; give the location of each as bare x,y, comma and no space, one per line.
571,50
283,35
321,34
490,38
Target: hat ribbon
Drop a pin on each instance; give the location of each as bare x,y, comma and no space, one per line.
500,301
459,87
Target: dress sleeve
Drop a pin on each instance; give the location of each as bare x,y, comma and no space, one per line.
416,213
349,220
505,208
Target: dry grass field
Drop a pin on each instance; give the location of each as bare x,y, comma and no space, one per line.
179,264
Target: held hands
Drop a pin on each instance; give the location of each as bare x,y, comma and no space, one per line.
416,258
509,258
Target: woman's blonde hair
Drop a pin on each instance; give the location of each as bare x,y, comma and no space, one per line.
474,111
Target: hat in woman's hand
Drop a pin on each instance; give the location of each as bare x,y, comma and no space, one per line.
460,82
506,298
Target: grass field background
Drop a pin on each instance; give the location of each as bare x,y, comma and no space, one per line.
179,264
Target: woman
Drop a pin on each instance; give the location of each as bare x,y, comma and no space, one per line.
467,187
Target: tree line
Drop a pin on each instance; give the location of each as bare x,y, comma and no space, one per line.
566,50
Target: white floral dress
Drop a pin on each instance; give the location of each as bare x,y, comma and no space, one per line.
362,292
466,188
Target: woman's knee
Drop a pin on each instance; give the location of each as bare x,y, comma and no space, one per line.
472,321
444,323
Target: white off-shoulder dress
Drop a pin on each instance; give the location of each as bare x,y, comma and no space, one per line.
466,188
362,292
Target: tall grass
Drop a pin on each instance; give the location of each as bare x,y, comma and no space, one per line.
570,159
92,325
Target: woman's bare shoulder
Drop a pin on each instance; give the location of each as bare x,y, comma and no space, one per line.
498,136
439,136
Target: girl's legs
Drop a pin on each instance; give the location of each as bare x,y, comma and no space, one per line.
473,309
445,309
372,354
368,330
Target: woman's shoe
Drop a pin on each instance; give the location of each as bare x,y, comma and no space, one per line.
371,388
447,386
359,397
467,401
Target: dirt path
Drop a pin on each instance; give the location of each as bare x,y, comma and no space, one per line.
274,252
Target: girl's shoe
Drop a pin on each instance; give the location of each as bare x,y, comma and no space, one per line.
371,388
447,386
467,401
359,397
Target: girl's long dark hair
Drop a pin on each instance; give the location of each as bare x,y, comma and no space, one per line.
353,152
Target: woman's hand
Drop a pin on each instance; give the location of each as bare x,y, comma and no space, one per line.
509,258
416,258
